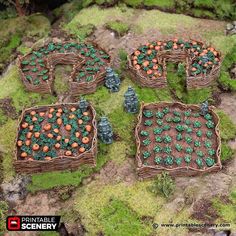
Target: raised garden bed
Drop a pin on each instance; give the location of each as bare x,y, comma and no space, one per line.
56,137
88,60
174,137
148,63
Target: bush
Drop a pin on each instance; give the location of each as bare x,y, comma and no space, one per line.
123,58
227,153
85,30
120,28
163,184
164,5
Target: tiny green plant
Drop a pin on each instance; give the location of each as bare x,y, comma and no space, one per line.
163,185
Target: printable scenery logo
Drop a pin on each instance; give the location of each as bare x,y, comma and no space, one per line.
33,223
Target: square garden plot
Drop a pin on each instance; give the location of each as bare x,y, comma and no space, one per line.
175,137
56,137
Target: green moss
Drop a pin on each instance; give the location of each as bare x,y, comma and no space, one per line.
3,117
133,3
225,80
84,31
119,27
204,3
61,85
227,153
203,13
226,211
164,5
197,96
116,218
227,127
92,200
3,215
14,89
7,143
49,180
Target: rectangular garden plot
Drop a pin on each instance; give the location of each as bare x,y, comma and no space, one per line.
175,137
56,137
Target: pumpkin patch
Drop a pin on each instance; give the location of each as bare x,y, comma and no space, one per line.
149,60
51,137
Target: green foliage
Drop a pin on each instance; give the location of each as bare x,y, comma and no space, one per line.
49,180
116,218
225,80
133,3
84,31
3,118
203,13
163,185
119,27
227,127
204,3
123,59
227,153
226,211
3,215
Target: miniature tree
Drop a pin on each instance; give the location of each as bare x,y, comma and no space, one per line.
112,81
131,102
105,132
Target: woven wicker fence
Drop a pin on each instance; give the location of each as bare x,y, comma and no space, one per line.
70,58
60,162
145,172
176,56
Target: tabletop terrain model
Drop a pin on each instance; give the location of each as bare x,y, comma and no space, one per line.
148,63
89,62
56,137
175,137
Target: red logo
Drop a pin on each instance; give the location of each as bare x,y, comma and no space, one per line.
13,223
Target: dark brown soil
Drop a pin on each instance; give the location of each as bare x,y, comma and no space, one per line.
173,133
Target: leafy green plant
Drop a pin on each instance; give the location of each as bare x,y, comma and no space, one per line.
148,113
160,122
166,127
148,123
200,153
197,124
167,139
160,114
144,133
178,147
158,160
208,144
199,162
146,142
157,149
167,149
210,161
210,124
169,160
189,150
197,143
211,152
188,139
158,139
179,128
209,134
178,161
163,184
157,130
146,154
187,159
199,133
179,137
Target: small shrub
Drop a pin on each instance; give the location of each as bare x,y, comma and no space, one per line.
120,28
163,184
227,153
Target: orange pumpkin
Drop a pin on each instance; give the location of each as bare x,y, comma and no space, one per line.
57,145
34,119
24,125
58,138
50,116
88,128
56,131
51,110
154,60
74,145
137,67
82,149
32,113
23,154
68,127
58,114
45,149
149,52
73,109
35,147
71,116
31,127
85,113
27,142
145,63
36,134
68,153
149,72
77,134
59,121
60,110
48,158
29,135
85,140
67,140
50,135
80,122
137,52
19,143
47,127
41,114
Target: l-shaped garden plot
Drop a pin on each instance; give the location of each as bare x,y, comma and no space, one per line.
56,137
175,137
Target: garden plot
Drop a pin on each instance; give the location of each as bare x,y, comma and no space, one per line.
88,60
175,137
56,137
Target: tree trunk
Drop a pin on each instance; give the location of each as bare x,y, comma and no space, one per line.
19,8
